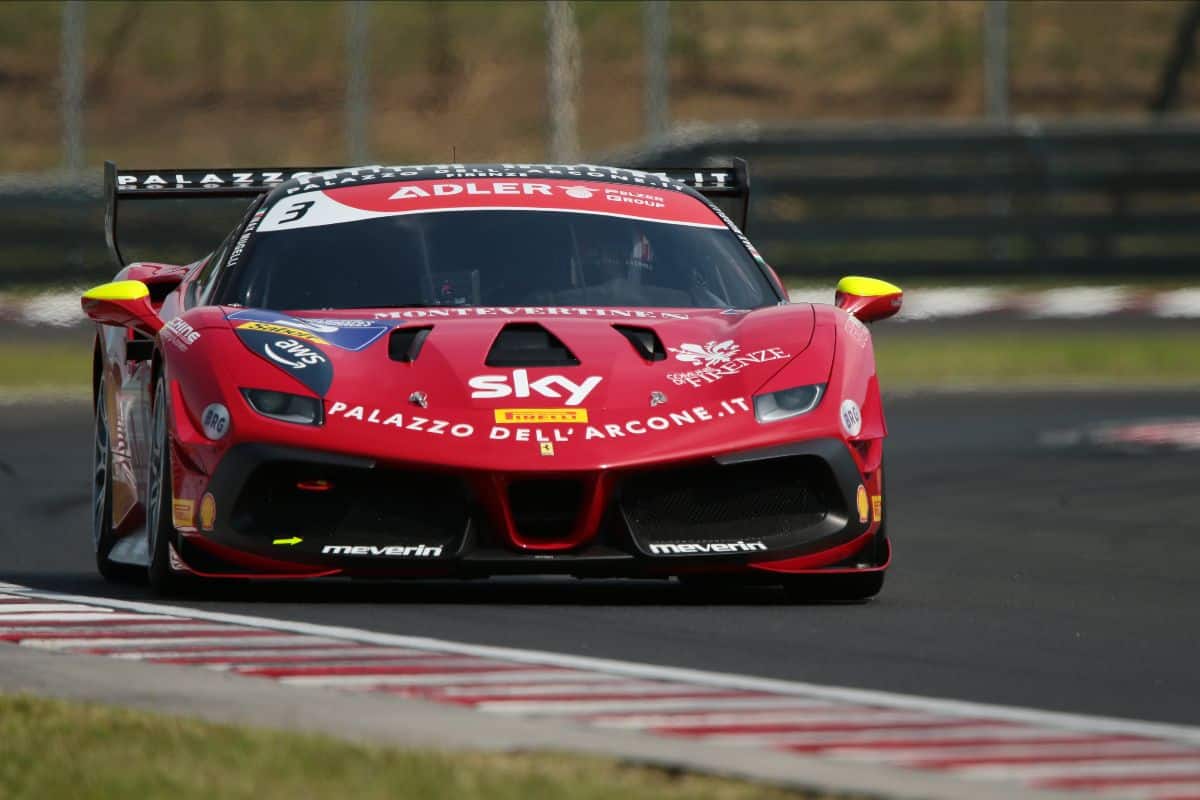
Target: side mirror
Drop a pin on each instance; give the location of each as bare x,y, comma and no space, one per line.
124,303
868,299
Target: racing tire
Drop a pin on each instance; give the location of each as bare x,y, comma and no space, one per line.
103,538
160,527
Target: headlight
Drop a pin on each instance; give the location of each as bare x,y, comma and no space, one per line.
287,407
787,403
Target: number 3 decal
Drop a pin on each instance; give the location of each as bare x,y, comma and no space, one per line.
297,211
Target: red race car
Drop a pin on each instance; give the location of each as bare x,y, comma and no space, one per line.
474,370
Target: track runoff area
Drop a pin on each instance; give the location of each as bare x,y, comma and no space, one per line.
991,747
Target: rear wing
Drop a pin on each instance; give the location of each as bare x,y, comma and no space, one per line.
121,185
729,183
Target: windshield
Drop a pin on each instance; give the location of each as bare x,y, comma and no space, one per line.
493,257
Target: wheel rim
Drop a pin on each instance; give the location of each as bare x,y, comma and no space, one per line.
155,484
100,470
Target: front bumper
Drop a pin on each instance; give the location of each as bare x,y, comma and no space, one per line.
286,511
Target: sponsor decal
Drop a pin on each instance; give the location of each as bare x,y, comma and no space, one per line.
239,247
856,330
707,355
180,334
411,422
864,507
540,416
290,541
392,551
215,421
673,419
877,507
204,180
706,548
517,384
282,329
549,432
299,357
718,360
181,512
208,511
348,334
435,312
851,417
547,448
353,200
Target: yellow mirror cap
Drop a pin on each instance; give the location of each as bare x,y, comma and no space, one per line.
117,290
866,287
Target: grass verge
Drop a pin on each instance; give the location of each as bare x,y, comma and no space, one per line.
1038,358
51,749
1021,358
44,367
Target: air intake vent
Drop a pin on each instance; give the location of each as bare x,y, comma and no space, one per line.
645,341
545,509
405,343
527,344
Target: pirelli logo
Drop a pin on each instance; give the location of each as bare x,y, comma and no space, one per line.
282,330
540,416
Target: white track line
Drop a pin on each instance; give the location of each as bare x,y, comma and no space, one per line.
618,685
134,644
432,679
1001,750
269,653
958,708
984,730
576,707
1138,791
12,609
1117,767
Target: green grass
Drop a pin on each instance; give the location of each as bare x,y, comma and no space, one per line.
904,359
1037,358
51,749
45,366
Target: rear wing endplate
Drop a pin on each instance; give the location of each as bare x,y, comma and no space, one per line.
731,183
716,183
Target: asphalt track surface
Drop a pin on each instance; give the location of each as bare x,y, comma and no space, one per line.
1062,578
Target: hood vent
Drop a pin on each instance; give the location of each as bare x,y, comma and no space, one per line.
405,344
645,341
528,344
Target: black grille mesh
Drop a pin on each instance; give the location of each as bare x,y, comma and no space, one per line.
722,503
544,509
391,506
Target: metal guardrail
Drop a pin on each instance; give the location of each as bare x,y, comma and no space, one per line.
966,200
969,201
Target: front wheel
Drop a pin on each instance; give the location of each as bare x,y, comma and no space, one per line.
160,528
103,538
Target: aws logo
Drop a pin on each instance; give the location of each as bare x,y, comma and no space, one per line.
293,354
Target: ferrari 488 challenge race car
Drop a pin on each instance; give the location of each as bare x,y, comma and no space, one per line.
476,370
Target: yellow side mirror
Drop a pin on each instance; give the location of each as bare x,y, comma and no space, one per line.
868,299
123,303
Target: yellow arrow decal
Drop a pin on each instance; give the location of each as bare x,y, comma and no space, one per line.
293,540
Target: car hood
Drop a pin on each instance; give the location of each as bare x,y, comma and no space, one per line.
525,375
